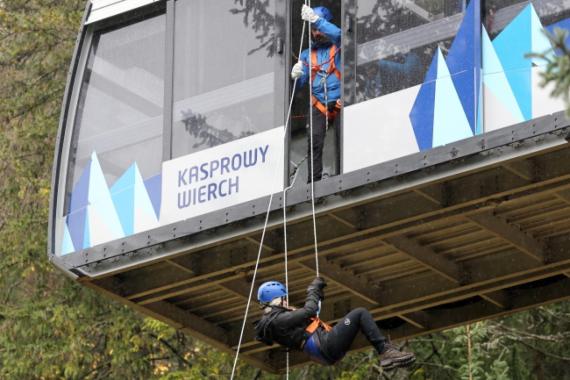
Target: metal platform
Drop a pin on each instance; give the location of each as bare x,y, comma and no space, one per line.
465,232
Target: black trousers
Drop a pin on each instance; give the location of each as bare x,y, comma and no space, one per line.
337,342
319,135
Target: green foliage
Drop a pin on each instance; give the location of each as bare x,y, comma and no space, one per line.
556,73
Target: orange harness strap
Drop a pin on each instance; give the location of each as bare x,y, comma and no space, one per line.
315,68
321,107
315,324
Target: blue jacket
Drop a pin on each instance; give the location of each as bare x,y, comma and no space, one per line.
333,33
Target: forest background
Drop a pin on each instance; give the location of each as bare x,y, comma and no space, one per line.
53,328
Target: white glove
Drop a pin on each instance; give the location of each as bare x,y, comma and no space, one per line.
297,70
307,14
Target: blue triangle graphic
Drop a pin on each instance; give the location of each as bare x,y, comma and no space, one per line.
123,195
154,189
79,195
67,244
145,216
464,63
511,46
496,81
79,201
86,232
100,199
479,128
450,122
421,115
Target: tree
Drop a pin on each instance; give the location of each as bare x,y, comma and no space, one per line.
557,66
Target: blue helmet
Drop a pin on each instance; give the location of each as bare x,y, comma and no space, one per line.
323,12
270,290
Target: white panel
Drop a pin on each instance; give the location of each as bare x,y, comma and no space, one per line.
497,116
542,102
223,176
379,130
103,9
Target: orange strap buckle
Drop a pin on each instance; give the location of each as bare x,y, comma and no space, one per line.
315,324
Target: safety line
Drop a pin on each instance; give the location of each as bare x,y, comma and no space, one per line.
252,285
308,2
285,252
287,123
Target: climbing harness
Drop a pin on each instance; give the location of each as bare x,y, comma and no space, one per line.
315,324
312,346
315,320
318,70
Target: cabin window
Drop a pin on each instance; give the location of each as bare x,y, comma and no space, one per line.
224,73
119,118
392,43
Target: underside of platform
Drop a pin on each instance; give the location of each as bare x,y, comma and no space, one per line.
484,236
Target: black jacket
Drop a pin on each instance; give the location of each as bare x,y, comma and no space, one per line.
287,327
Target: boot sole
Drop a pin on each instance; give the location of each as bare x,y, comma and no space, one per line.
388,365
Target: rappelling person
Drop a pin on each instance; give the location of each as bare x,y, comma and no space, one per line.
325,74
301,329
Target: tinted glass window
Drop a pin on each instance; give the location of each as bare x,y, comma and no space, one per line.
393,42
224,72
120,113
498,14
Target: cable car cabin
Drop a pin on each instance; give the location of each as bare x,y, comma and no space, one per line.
445,194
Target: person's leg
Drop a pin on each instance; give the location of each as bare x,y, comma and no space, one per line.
337,139
319,134
338,341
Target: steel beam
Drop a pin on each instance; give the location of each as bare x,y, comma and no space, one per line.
500,228
212,264
346,279
500,298
427,257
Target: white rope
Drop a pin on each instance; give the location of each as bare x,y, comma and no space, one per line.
285,256
308,2
285,250
252,285
287,122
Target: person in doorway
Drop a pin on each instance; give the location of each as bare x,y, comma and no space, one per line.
322,66
302,330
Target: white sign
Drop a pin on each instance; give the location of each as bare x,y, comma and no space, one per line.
223,176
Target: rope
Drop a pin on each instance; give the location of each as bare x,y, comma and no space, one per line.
265,228
252,284
308,2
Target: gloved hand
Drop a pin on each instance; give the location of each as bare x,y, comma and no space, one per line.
307,14
297,70
319,283
317,286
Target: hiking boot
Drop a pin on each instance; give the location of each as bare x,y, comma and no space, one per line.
392,357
